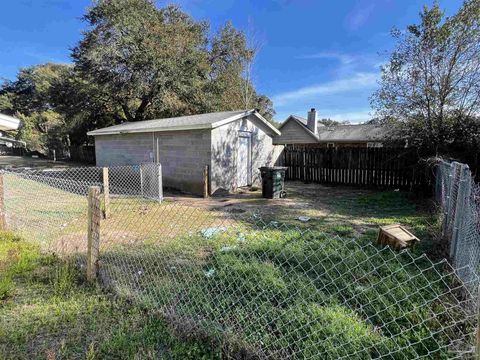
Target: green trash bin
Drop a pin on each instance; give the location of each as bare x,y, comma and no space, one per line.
273,180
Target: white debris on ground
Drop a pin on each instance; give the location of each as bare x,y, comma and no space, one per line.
209,273
211,232
228,248
241,237
304,218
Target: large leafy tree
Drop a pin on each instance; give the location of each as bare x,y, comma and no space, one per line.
149,61
134,62
30,97
430,89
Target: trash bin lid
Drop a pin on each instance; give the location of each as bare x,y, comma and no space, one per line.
273,168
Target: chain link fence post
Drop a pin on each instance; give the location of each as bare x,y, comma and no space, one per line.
3,222
94,216
159,182
460,204
106,193
206,192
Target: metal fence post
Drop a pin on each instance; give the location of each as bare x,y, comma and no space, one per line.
3,222
94,216
160,184
106,193
460,204
141,181
477,341
206,191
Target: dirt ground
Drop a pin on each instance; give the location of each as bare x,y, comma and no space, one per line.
323,205
315,206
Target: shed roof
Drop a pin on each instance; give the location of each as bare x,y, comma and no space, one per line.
189,122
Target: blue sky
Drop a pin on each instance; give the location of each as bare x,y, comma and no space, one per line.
314,53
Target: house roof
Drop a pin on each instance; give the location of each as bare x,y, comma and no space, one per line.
190,122
352,133
8,122
341,133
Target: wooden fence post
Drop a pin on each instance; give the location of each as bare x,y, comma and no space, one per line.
94,216
3,222
206,192
106,193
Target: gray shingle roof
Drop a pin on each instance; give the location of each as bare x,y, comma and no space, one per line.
351,133
200,121
304,121
344,133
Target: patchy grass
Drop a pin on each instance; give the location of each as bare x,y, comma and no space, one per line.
314,289
49,312
283,293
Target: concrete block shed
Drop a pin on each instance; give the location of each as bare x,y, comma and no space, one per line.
234,144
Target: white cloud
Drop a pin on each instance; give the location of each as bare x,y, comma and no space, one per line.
359,16
345,59
361,115
358,81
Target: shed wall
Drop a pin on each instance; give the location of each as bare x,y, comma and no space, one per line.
183,155
224,153
124,149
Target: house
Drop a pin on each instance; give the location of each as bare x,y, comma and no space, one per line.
9,145
234,144
8,123
299,131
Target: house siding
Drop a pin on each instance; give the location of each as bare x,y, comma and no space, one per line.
293,133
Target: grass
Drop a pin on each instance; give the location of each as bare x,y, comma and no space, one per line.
47,311
284,293
315,289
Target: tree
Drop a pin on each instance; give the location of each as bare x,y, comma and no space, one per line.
147,60
30,98
265,107
431,86
231,59
134,62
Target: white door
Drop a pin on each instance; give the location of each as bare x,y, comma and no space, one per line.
244,166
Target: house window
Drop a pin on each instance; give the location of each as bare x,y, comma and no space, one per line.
330,145
374,145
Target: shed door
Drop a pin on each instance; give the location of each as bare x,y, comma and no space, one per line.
244,165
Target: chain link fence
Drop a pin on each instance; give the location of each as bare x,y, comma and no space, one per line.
253,288
459,199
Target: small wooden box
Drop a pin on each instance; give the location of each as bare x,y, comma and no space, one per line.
396,236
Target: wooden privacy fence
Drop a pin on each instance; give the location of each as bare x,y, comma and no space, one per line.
382,167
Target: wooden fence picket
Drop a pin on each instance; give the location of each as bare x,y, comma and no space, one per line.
372,167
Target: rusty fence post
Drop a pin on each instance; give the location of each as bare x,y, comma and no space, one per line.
106,193
3,221
94,216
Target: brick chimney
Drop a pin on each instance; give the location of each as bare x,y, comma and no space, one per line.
312,120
